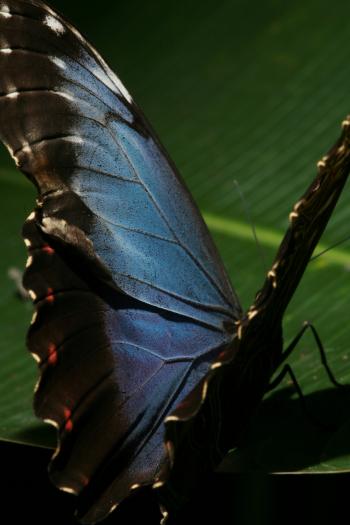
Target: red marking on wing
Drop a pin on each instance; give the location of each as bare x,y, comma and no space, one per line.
68,426
69,423
67,412
52,359
47,249
50,295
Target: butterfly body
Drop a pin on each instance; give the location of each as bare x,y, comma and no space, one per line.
218,410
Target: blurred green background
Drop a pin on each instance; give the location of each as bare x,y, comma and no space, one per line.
247,91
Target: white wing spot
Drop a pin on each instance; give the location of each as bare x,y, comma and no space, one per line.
66,96
37,385
293,215
75,140
10,150
5,11
51,422
36,357
58,62
63,488
272,275
171,418
157,484
6,50
165,515
29,261
31,216
14,94
25,147
252,313
113,507
54,24
32,295
204,390
27,243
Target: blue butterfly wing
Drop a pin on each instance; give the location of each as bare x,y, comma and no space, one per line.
132,301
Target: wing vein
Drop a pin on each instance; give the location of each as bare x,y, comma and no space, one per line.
189,253
173,359
166,409
73,82
136,230
62,136
83,43
215,308
91,390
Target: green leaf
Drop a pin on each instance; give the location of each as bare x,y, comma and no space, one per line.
253,92
18,369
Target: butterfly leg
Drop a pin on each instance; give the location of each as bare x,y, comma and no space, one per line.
287,369
293,344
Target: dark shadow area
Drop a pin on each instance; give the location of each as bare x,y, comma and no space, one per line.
41,434
244,499
237,499
283,438
28,496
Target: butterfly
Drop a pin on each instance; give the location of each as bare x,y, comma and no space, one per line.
149,368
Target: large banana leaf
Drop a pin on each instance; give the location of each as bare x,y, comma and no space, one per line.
253,92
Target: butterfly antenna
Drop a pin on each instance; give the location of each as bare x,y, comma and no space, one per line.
249,218
329,248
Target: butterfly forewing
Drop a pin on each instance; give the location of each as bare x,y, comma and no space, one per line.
92,140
